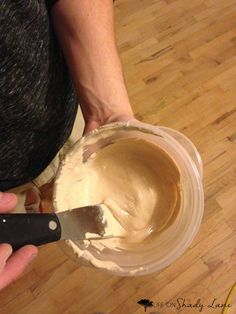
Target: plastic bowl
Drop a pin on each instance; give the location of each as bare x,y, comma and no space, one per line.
173,241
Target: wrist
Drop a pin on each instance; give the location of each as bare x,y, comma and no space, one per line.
104,112
103,104
99,113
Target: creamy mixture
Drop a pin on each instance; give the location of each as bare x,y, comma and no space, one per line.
139,185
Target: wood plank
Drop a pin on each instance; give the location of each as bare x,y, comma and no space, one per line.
179,60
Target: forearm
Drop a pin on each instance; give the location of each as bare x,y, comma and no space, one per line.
86,33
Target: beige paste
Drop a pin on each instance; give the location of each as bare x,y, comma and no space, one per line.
137,182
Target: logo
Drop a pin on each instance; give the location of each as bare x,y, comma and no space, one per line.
195,305
146,303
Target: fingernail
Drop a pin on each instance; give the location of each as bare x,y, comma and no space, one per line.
32,257
6,197
8,251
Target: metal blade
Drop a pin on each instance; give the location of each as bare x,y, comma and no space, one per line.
75,223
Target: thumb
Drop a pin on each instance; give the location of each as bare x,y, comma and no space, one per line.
89,126
7,201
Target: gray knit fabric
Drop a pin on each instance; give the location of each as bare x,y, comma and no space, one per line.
37,102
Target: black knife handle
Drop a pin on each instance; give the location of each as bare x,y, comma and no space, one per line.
21,229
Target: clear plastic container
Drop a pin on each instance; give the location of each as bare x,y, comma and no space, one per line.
173,241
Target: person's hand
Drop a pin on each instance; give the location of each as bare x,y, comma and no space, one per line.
93,122
12,265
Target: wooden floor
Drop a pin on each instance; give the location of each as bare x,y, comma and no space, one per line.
179,60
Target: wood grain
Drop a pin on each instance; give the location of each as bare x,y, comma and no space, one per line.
179,59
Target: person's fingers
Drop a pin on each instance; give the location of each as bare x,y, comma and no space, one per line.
93,124
7,201
5,252
16,264
89,126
